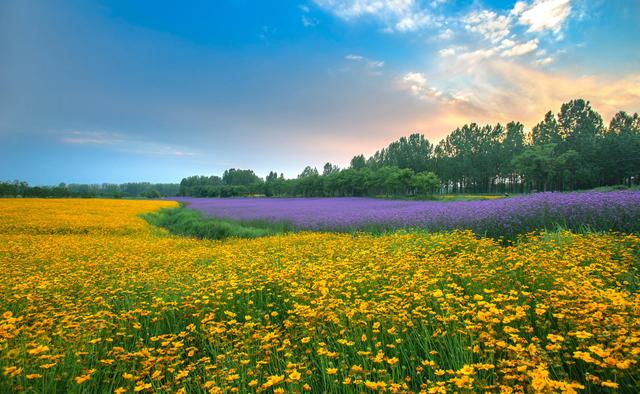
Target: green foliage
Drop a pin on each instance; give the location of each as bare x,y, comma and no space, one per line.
152,194
425,182
191,223
236,177
105,190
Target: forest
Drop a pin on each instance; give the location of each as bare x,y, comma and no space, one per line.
570,150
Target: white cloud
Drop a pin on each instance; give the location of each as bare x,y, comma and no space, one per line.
416,83
544,61
446,34
521,49
437,3
499,32
489,24
477,55
543,15
413,22
448,51
397,15
355,8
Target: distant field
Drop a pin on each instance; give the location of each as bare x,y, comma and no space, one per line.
505,217
95,300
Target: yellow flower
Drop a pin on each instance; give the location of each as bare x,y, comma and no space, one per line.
294,375
140,386
12,371
555,338
345,294
38,350
82,379
583,335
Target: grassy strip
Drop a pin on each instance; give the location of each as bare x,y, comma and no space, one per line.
188,222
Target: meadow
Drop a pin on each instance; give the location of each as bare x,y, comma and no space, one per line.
93,299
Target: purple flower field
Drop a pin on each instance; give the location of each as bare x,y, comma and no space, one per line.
619,211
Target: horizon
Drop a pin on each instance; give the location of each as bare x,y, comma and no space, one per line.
113,92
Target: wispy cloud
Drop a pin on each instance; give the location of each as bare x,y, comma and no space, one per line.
369,62
121,143
521,49
92,138
306,18
373,66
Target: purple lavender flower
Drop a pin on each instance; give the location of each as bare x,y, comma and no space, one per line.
618,211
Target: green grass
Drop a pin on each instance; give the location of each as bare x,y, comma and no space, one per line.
191,223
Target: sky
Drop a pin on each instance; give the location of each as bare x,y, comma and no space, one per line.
96,91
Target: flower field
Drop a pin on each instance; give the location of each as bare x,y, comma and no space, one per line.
506,217
95,300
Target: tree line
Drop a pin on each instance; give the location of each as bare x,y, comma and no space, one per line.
570,150
105,190
332,182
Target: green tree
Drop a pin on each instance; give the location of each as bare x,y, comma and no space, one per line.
425,182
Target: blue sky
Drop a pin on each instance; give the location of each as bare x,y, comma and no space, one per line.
116,91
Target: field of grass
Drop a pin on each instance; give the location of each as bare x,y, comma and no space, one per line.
95,300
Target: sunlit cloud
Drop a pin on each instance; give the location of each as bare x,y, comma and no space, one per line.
492,87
